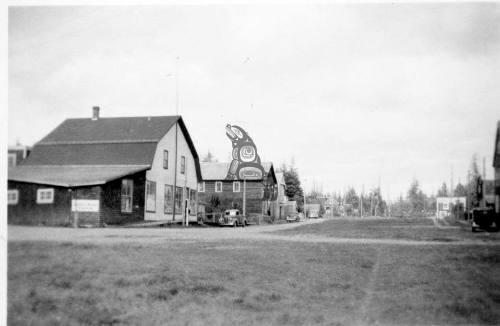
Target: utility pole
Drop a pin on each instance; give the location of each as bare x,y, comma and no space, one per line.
244,193
177,85
361,201
484,180
175,174
468,201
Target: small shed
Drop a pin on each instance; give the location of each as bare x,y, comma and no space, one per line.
444,205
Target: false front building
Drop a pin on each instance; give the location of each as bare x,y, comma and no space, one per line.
254,197
99,171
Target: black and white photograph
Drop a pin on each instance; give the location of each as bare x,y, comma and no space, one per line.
283,163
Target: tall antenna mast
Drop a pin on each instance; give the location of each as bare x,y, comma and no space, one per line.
177,85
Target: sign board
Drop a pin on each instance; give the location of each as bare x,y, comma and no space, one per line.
85,205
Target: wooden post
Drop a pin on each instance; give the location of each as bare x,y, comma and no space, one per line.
75,216
244,196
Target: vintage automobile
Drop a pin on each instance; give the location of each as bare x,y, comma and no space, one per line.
483,218
233,217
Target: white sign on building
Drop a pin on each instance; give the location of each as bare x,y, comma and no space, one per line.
85,205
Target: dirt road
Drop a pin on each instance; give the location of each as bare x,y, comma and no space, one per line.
150,235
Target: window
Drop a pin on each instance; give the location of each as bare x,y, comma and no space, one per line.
178,200
150,196
127,193
169,199
12,196
236,186
201,186
218,186
12,159
183,164
192,202
45,196
165,159
445,206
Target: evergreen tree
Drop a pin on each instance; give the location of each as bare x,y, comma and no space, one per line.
416,198
443,191
460,191
209,158
294,190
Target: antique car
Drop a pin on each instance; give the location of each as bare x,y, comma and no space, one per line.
233,217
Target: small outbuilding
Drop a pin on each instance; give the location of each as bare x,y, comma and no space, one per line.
445,205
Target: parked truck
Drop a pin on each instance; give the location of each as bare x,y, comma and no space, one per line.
482,215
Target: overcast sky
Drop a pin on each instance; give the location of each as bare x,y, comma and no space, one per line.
354,93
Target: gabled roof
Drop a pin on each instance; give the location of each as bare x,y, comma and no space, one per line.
496,155
218,171
72,175
110,130
107,141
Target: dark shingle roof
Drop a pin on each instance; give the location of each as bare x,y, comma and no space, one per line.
88,154
107,141
111,130
72,175
218,170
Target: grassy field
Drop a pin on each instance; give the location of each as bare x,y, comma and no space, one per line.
392,228
248,282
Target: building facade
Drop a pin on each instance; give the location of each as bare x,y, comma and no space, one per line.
107,171
444,205
256,197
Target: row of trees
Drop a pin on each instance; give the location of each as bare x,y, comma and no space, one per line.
415,201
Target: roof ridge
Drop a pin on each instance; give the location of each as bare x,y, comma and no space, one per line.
132,117
116,141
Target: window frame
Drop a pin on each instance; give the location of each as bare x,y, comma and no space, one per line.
183,164
150,183
165,161
127,183
236,183
216,184
40,194
168,201
10,192
201,186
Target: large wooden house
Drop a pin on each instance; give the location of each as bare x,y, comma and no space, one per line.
216,190
99,171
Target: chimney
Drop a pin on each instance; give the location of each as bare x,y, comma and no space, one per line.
95,113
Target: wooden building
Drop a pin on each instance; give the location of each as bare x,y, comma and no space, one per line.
280,207
261,194
99,171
